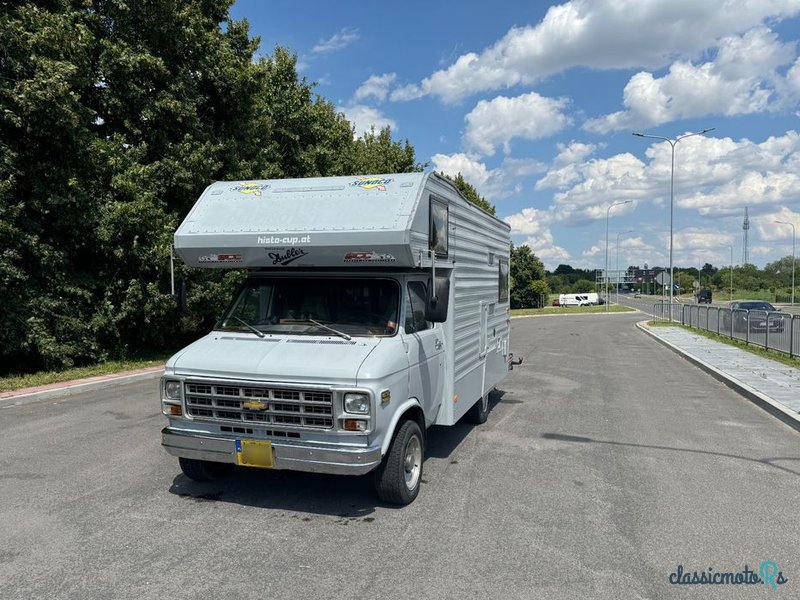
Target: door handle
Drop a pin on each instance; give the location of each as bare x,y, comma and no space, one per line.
438,343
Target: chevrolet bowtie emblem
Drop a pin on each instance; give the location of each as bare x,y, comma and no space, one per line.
255,405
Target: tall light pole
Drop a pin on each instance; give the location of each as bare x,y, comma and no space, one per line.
792,224
731,247
617,267
672,143
608,212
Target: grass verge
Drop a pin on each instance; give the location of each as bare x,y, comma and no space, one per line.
567,310
780,357
17,382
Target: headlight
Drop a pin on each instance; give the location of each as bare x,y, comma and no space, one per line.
357,404
172,390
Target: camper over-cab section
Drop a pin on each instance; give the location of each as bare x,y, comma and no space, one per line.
350,222
375,307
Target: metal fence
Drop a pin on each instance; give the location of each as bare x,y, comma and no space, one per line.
662,312
773,330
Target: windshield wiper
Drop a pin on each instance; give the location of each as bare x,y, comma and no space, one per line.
250,327
331,329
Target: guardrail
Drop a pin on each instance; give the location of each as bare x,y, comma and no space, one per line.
772,330
664,311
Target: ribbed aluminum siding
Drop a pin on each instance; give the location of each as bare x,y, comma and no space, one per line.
473,236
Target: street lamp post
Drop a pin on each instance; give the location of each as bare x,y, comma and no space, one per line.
617,267
793,259
731,247
608,212
672,143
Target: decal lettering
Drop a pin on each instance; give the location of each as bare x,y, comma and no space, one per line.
370,256
250,188
220,258
284,258
276,240
370,183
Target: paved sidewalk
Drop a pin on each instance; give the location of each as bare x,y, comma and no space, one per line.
770,384
67,388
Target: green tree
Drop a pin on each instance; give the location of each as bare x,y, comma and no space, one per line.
375,153
583,286
114,116
525,269
470,193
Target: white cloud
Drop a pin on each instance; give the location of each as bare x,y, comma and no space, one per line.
376,86
698,239
743,74
715,177
364,118
338,41
498,121
769,230
599,34
575,152
544,248
528,221
495,184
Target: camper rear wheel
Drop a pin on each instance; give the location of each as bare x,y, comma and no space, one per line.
479,411
202,470
399,476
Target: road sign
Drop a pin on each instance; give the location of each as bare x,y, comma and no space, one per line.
695,284
663,278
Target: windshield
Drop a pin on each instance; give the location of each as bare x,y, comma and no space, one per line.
313,306
756,306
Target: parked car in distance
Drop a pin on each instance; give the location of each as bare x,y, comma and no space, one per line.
753,315
637,295
703,296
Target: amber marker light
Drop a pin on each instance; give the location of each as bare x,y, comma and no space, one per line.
355,425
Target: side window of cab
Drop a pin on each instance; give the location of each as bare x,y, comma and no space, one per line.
415,307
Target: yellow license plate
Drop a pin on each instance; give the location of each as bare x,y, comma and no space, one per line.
254,453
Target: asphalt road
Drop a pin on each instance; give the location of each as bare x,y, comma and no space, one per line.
607,461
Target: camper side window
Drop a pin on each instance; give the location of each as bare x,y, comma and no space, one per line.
437,240
415,307
503,280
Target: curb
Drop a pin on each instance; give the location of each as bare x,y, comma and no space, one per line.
775,408
76,386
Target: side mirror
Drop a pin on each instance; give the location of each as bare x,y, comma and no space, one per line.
438,300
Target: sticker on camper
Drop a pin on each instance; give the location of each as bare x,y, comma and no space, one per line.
250,188
368,257
220,258
372,183
284,257
285,240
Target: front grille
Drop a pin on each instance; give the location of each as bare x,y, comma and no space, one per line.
281,406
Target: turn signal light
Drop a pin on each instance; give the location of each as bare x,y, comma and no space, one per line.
355,425
175,411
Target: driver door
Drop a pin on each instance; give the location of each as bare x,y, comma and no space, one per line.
424,343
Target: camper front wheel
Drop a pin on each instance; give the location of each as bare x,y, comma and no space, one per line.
399,476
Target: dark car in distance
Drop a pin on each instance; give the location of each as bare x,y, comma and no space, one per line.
704,297
756,314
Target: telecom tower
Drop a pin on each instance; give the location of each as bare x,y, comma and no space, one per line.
745,228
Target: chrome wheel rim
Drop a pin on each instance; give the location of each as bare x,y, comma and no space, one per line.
412,463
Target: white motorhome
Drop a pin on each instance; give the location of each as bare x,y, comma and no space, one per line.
374,308
585,299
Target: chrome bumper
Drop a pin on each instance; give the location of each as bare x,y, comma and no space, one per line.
290,456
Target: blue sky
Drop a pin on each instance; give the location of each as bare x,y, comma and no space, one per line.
534,103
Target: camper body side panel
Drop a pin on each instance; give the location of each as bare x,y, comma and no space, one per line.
478,327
